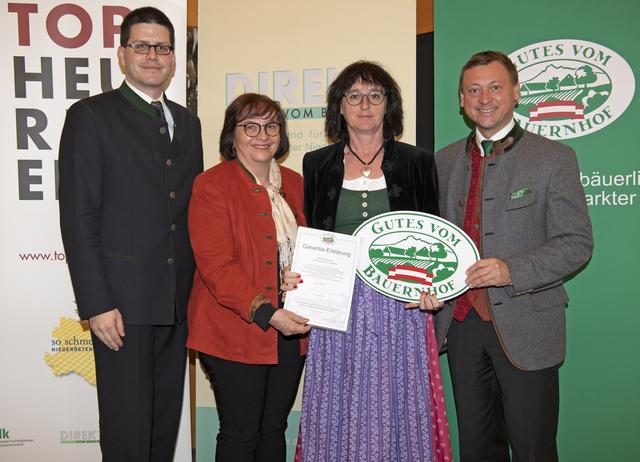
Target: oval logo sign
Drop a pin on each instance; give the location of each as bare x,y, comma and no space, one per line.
403,253
571,88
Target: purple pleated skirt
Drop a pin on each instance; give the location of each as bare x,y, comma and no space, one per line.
369,393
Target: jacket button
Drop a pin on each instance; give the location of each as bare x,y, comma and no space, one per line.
269,237
461,202
172,194
269,288
269,262
257,190
173,227
163,130
169,162
170,260
263,214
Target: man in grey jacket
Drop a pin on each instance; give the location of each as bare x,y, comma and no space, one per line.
519,197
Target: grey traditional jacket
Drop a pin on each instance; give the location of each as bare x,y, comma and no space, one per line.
534,217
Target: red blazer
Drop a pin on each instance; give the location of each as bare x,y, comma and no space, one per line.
234,242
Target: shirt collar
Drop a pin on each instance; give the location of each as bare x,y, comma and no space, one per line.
502,133
146,98
140,93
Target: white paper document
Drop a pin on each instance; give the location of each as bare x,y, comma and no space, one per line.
327,263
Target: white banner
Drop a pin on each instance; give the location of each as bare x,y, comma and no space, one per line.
52,54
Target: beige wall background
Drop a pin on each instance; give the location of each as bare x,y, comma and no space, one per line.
275,44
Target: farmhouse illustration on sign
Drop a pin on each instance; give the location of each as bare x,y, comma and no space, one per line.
405,253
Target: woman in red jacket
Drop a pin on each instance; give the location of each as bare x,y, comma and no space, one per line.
243,220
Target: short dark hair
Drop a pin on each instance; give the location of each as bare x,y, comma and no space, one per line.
248,106
368,72
144,15
487,57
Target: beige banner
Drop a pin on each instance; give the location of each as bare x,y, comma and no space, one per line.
291,51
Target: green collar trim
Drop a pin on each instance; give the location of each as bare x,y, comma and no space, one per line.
516,132
136,100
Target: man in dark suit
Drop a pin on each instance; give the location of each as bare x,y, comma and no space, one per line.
128,159
519,197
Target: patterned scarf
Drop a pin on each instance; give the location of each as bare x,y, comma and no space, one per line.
283,217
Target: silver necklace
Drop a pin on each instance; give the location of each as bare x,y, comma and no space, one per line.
365,170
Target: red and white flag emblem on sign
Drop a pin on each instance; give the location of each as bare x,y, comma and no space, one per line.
410,273
556,109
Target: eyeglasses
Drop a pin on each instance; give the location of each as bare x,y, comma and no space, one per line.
143,48
354,98
253,129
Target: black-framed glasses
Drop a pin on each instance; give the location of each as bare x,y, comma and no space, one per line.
354,98
143,48
253,129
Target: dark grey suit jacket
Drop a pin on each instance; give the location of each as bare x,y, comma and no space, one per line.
534,217
124,194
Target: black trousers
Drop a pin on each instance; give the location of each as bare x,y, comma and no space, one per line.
253,403
140,391
498,404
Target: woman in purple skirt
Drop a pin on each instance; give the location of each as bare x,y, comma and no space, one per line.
373,393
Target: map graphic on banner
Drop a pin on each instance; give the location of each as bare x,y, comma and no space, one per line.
72,350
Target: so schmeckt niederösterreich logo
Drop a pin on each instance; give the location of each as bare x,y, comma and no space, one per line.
408,252
571,88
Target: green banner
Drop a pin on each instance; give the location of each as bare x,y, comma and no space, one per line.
578,63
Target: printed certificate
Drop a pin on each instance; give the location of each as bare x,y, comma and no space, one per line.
327,263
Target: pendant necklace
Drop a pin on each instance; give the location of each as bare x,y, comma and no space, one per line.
365,170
